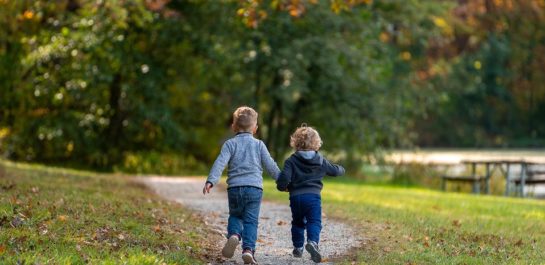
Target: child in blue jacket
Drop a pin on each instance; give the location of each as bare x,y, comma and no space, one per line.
302,177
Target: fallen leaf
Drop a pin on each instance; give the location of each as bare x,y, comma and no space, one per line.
8,186
16,222
519,243
62,218
157,228
281,222
35,189
3,220
457,223
2,249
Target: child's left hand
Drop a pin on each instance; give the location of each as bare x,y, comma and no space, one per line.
207,187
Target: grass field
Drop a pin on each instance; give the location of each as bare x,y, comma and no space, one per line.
417,226
57,216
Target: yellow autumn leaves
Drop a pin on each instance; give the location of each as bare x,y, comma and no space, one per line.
442,24
345,5
252,11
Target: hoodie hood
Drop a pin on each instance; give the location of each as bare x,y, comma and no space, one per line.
303,173
310,158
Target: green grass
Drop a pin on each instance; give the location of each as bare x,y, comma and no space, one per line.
58,216
417,226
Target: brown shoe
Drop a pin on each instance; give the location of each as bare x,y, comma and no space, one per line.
248,256
230,246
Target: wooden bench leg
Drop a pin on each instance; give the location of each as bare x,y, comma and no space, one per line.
487,179
476,186
507,180
522,178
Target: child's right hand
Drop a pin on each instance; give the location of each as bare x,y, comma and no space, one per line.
207,187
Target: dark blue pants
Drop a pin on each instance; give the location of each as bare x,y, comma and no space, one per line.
244,204
306,213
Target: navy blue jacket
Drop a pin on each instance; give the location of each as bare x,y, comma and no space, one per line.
302,175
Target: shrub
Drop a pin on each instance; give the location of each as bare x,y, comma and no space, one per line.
414,174
160,163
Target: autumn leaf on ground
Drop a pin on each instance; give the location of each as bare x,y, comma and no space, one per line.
457,223
16,222
426,241
281,222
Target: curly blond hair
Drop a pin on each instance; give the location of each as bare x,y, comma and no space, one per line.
244,119
305,138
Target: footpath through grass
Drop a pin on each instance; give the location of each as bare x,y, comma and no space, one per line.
416,226
57,216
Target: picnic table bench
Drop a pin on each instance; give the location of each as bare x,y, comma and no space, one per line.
527,176
474,179
533,177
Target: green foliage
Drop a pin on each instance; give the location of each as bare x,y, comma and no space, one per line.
418,175
52,215
492,89
160,163
92,76
100,81
91,82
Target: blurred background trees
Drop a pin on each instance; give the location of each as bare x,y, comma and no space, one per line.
150,85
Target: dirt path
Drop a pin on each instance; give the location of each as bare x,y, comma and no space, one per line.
274,238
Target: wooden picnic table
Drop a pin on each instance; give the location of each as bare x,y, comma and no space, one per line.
504,167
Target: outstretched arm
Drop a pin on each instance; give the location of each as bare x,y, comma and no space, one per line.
268,163
333,169
284,179
218,167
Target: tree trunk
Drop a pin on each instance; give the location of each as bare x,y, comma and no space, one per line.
113,131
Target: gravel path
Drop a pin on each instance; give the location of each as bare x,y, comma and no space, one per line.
274,238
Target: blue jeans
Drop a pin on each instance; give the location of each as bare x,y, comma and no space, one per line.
306,213
244,204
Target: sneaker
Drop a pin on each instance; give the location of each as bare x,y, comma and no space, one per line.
314,251
298,252
248,256
230,246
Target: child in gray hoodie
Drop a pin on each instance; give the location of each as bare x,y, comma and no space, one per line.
245,158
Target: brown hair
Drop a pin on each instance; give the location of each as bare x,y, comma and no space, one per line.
305,138
244,119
